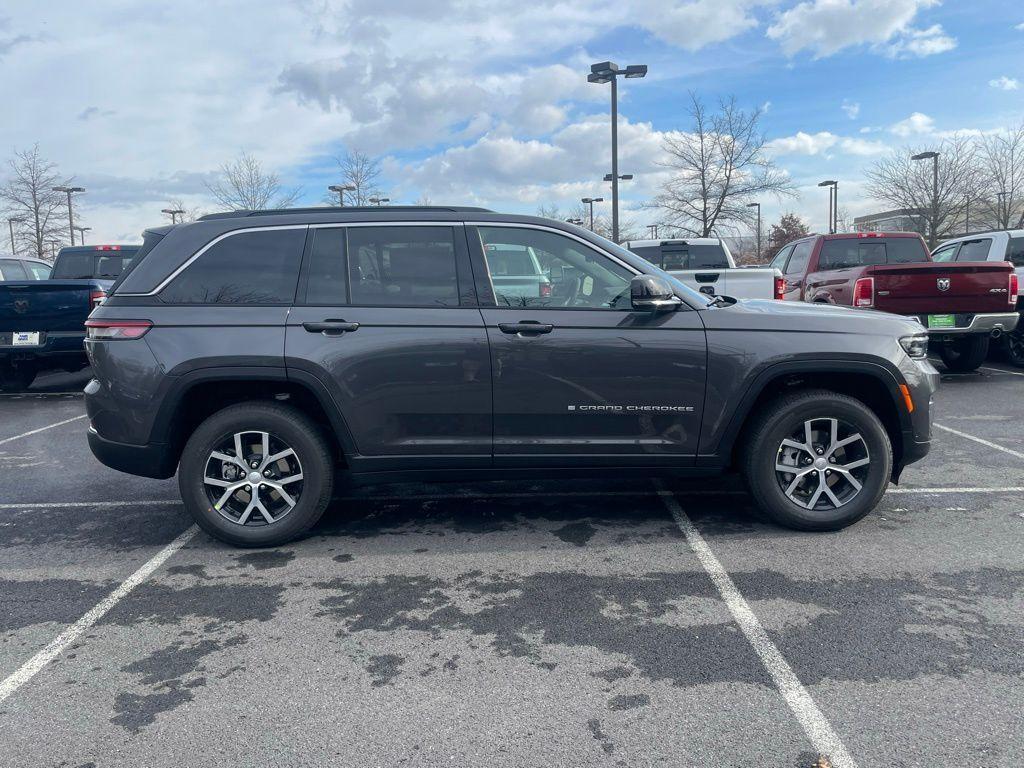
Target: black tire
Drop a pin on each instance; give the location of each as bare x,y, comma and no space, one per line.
16,378
1012,345
966,354
785,416
285,425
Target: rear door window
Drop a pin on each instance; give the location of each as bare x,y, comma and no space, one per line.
1015,251
260,267
402,266
779,262
974,250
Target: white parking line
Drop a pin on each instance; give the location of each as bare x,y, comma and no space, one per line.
56,646
1003,370
817,727
980,440
41,429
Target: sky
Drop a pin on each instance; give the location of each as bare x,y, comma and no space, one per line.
485,102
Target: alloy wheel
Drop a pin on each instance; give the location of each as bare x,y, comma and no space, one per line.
253,478
823,464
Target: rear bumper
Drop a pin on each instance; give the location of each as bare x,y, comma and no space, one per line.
154,460
971,324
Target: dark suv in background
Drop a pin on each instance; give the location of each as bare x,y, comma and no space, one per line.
259,353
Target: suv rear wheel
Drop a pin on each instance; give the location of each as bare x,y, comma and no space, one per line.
256,474
817,460
1013,344
966,354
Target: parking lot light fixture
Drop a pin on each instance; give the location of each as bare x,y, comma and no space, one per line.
833,200
174,213
81,233
934,157
590,201
609,72
378,201
341,189
758,206
10,224
71,219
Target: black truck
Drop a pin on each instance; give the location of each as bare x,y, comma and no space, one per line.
259,354
42,322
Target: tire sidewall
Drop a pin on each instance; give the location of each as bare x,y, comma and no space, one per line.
788,421
290,427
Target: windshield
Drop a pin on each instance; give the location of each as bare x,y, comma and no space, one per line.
683,291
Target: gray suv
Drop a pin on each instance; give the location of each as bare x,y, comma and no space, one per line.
260,353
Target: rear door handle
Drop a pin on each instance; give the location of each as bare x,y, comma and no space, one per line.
526,327
331,327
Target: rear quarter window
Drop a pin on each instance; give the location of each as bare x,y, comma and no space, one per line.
259,267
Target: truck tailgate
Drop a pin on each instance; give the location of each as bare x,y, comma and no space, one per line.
750,283
928,288
43,305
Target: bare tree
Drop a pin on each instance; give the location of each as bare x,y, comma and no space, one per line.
909,184
719,166
243,185
361,171
1001,185
39,213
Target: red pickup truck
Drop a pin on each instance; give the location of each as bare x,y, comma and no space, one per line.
962,304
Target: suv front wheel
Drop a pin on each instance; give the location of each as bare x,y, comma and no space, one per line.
817,460
256,474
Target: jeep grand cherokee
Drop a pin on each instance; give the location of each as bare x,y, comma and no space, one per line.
260,353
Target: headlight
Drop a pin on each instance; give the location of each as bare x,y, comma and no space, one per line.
915,346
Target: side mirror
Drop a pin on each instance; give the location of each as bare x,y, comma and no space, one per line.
652,293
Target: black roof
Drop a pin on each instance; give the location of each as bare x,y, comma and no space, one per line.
348,209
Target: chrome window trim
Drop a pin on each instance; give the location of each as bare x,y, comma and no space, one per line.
341,224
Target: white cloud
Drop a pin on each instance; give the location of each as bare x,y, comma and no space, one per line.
696,24
1020,27
921,42
1004,83
918,123
803,143
863,147
825,27
851,108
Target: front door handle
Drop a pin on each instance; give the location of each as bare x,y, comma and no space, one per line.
331,327
526,327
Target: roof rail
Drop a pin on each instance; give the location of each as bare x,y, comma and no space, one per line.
348,209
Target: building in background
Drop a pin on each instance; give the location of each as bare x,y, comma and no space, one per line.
899,220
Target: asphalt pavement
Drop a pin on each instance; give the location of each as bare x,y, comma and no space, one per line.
515,624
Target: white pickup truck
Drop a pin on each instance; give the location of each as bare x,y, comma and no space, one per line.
705,264
1002,245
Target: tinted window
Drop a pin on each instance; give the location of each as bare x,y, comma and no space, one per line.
679,256
403,266
12,270
905,250
110,267
1015,251
512,261
801,255
37,270
707,257
651,253
73,266
974,250
574,275
779,262
248,268
848,253
328,268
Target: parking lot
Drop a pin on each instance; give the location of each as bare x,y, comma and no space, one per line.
518,624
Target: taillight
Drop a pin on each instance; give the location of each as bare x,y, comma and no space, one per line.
1014,287
107,248
96,298
545,290
780,288
117,329
864,292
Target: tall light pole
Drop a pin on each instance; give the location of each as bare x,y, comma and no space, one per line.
10,225
653,230
71,220
833,204
379,201
341,189
174,213
934,157
758,206
590,201
81,233
53,248
1000,204
609,72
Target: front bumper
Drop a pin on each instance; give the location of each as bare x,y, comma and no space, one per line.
154,460
967,324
